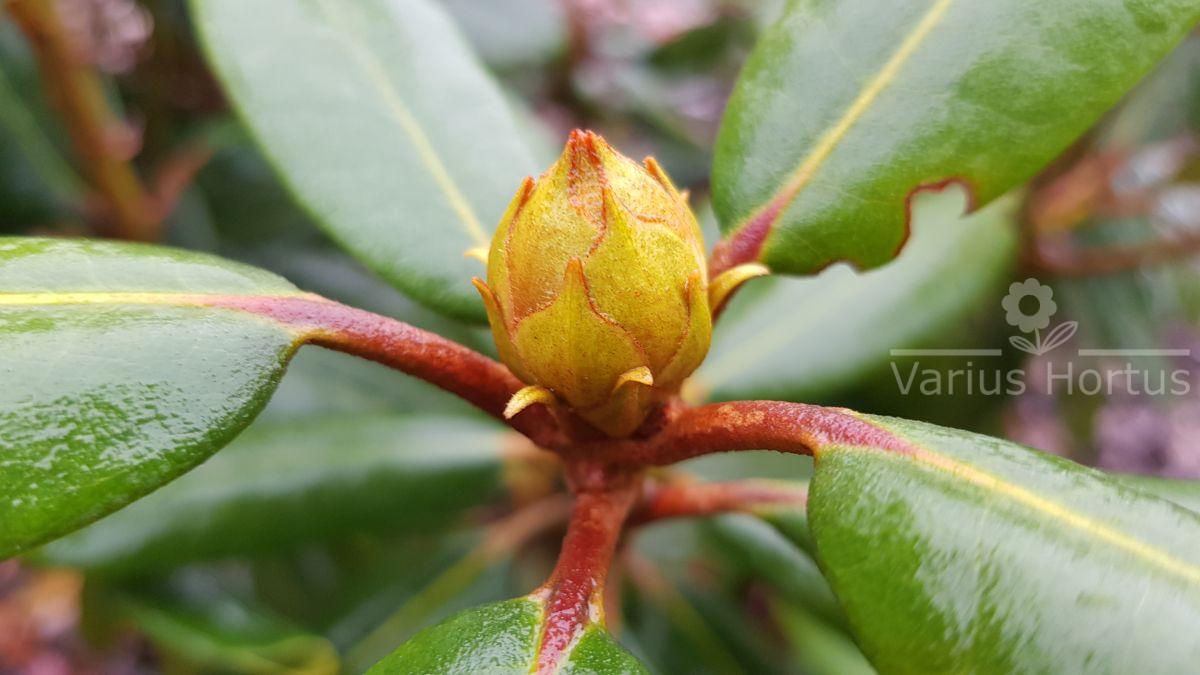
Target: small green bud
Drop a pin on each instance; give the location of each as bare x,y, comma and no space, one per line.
597,287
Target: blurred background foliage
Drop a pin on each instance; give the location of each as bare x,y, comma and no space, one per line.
363,505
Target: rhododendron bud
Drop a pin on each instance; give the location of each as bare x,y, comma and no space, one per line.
596,289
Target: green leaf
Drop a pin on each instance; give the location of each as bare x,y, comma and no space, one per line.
846,108
512,34
257,222
384,126
500,638
497,638
301,481
958,552
905,305
680,627
597,653
817,647
205,628
792,523
110,390
678,621
1185,493
765,552
442,586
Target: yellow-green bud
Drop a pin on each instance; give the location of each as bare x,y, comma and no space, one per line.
596,286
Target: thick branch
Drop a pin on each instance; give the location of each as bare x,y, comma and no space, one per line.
682,500
574,593
796,428
463,372
75,89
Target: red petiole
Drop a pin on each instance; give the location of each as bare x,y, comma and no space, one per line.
607,475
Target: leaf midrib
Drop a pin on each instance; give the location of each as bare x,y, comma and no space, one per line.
382,84
131,298
834,134
1068,519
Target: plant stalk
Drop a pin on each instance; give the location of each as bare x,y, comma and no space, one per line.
796,428
477,379
685,500
75,89
574,593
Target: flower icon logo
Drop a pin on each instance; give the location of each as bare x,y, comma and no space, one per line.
1021,298
1015,315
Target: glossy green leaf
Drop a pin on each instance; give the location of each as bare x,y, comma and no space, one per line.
500,638
462,573
597,653
847,107
109,390
384,126
963,553
288,483
811,339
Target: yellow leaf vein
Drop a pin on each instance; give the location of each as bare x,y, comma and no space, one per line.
832,136
383,85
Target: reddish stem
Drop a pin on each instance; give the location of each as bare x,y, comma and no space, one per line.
681,433
481,381
574,593
745,244
681,500
741,425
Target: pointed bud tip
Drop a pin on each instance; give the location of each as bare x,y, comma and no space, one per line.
586,144
580,141
585,137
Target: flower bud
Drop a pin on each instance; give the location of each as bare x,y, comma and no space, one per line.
596,286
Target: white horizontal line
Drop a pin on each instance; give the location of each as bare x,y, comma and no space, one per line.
1135,352
945,352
